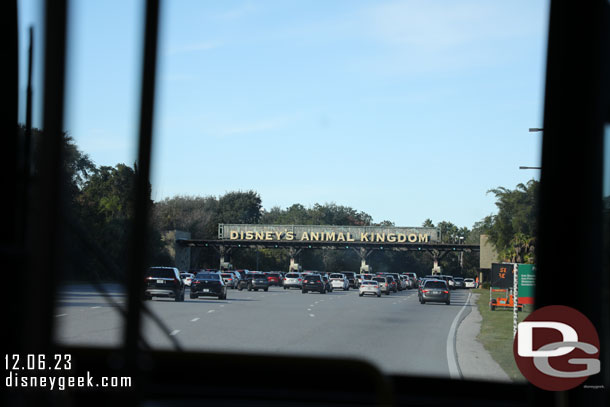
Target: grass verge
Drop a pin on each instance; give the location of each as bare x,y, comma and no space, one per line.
497,334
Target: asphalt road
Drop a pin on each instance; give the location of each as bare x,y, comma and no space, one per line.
395,332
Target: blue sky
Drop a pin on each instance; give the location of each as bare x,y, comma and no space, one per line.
406,110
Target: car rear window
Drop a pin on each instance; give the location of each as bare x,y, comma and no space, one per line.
379,279
273,275
161,273
314,278
369,283
208,276
292,276
435,284
227,275
336,276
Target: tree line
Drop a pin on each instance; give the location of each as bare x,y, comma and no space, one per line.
99,205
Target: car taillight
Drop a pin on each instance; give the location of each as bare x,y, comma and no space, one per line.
426,291
305,281
195,282
446,292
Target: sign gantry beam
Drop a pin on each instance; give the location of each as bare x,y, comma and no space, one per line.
440,248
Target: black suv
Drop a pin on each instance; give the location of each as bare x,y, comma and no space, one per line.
163,282
313,282
208,285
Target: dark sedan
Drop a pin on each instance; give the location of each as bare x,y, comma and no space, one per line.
435,291
208,285
313,282
459,282
259,282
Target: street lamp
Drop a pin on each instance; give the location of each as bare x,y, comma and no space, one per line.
532,130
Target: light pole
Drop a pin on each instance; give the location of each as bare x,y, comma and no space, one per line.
532,130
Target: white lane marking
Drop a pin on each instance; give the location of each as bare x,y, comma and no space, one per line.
210,311
174,332
312,315
321,300
96,307
454,369
194,319
308,309
312,305
222,305
60,315
316,302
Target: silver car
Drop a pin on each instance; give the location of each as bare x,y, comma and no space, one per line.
369,287
230,280
339,281
293,280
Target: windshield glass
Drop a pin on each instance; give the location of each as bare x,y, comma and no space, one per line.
161,273
349,137
435,284
207,276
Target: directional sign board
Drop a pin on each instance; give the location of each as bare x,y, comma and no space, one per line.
527,283
502,275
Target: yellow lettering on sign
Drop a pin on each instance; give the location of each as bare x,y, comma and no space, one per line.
423,238
278,235
391,237
350,238
340,237
304,236
380,237
330,236
259,235
364,237
412,238
402,238
249,235
268,236
289,235
233,235
314,236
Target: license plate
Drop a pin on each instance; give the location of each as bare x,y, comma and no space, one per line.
160,281
206,290
436,292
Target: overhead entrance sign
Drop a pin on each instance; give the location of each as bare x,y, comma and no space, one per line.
325,233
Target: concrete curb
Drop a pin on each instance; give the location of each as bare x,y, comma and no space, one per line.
474,361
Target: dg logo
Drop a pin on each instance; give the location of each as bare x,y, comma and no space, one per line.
557,348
